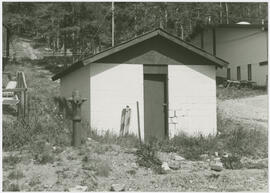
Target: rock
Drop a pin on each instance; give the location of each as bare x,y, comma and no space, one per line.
220,86
118,187
174,165
134,165
178,158
216,166
78,189
204,157
165,166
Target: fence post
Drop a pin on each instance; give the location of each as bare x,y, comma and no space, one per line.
76,102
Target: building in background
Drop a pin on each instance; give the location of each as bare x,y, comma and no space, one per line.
243,45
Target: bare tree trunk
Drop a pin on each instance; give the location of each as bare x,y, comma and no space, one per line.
165,15
227,13
220,13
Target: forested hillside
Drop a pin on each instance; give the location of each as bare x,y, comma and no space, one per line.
76,26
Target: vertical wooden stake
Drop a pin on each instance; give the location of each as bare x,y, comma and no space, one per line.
139,128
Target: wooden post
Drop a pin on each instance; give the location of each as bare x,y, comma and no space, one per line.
76,102
112,24
139,128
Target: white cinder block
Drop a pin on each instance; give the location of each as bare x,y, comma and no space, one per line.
113,86
193,89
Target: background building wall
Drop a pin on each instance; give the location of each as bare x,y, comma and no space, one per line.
240,47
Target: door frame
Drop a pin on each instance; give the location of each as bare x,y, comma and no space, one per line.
160,70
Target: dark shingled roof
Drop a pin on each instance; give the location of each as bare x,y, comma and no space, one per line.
158,32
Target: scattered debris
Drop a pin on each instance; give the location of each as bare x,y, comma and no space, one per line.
78,189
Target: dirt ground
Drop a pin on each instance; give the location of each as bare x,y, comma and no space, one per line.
72,168
251,110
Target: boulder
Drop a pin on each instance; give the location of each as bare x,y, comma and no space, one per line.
216,166
118,187
174,165
178,158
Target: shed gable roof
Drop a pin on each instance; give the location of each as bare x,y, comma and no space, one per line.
108,56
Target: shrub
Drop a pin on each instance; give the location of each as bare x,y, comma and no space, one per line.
103,169
234,139
146,157
16,174
42,152
45,121
11,160
233,93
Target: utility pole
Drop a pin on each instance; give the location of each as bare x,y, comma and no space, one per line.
112,23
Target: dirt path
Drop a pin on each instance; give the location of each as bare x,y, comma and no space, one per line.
250,110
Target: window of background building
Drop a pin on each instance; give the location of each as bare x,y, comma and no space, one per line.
238,73
228,74
249,72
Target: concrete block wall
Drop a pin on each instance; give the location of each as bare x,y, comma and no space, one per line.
192,96
113,86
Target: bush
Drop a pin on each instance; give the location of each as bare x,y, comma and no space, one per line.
100,167
234,139
16,174
234,93
147,157
45,121
42,152
11,160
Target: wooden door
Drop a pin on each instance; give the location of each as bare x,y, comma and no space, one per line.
155,106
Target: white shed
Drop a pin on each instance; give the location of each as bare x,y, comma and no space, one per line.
173,81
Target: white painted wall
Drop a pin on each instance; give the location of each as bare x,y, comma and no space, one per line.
79,80
113,86
192,94
110,87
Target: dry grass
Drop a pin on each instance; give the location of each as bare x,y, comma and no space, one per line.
233,93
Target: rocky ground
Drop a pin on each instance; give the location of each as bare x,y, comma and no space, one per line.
102,167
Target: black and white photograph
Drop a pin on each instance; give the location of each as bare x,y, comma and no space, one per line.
134,96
